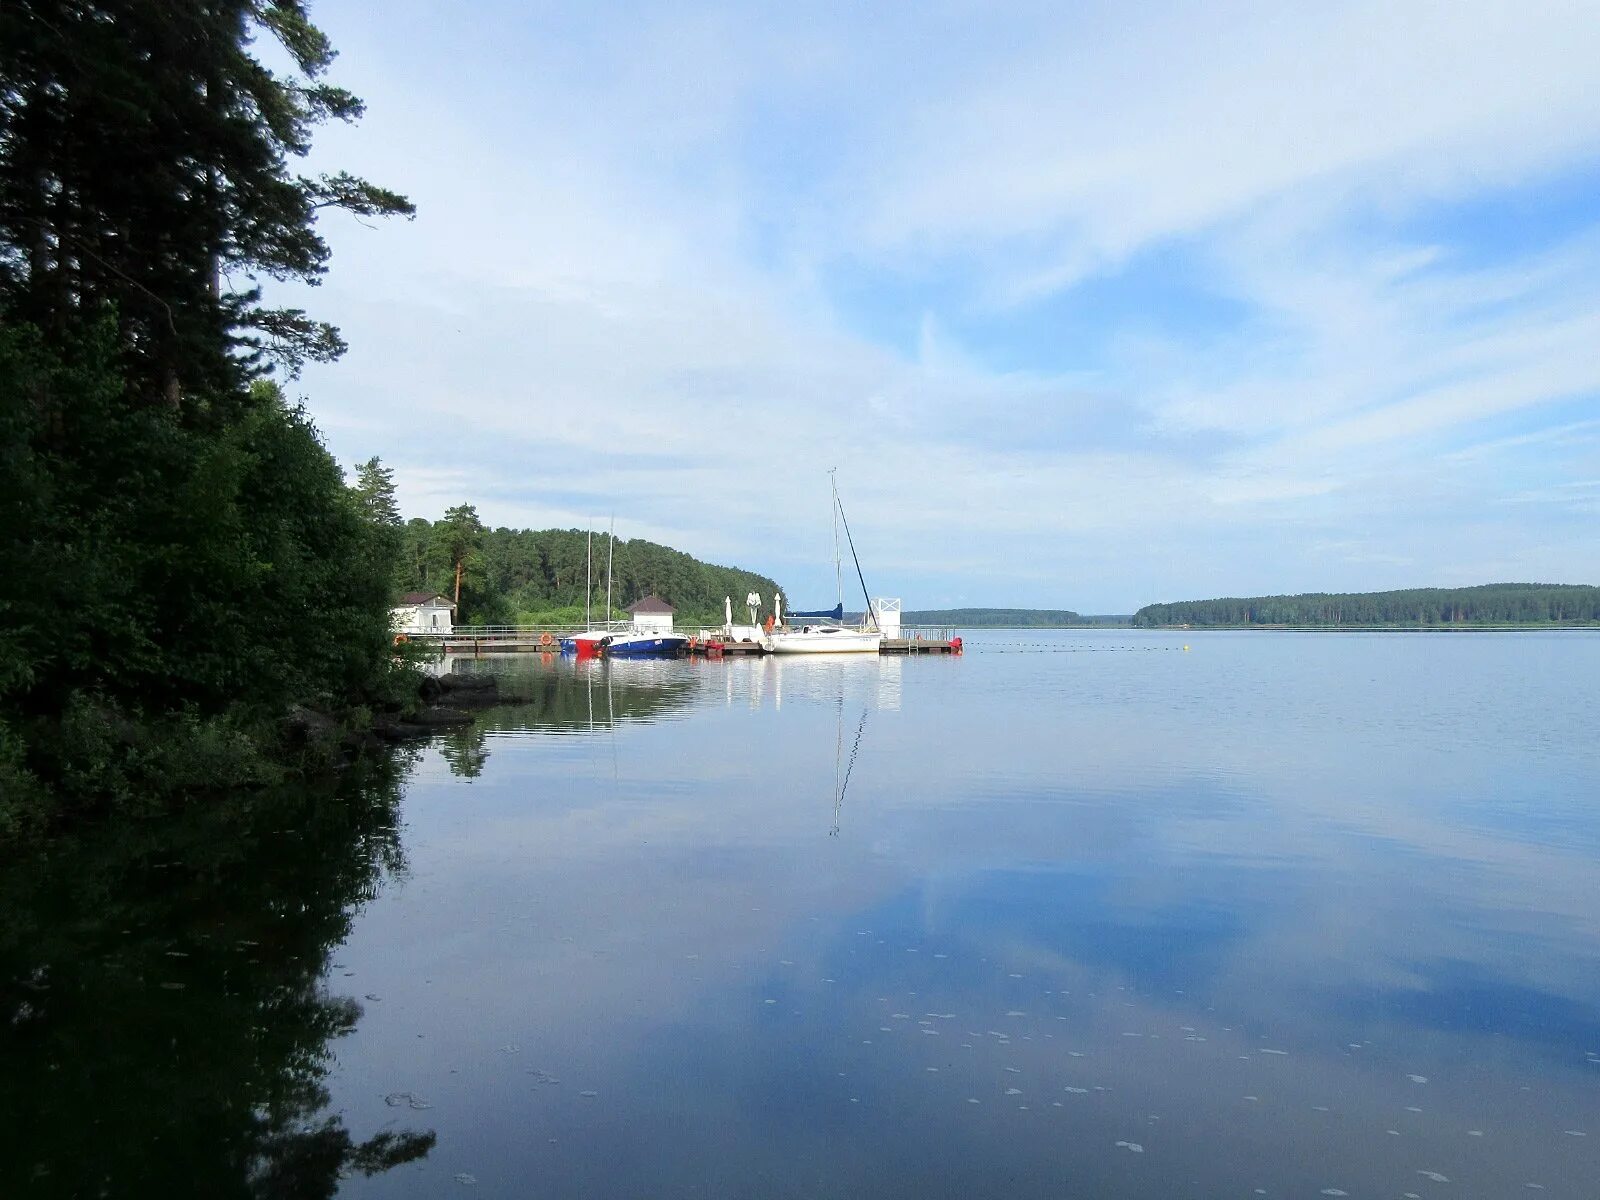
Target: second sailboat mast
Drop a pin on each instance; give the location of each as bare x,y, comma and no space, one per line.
838,578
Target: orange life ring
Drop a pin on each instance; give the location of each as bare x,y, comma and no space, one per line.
545,639
400,639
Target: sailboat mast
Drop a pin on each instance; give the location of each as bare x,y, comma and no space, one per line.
588,581
611,544
838,579
855,558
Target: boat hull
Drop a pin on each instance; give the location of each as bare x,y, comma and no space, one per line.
654,646
583,645
843,641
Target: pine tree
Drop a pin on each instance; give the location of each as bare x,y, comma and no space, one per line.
374,490
460,534
145,170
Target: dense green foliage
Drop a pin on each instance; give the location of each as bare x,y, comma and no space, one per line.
996,618
518,576
144,164
173,591
1489,604
184,562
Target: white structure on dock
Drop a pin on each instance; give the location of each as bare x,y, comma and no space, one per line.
651,614
423,612
888,613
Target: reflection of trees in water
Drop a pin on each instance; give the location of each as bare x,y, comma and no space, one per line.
464,750
563,697
164,1024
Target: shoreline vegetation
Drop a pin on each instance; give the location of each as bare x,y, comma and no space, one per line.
1493,606
1508,606
537,576
188,574
1005,618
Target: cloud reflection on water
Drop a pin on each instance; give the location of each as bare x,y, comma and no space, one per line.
1173,864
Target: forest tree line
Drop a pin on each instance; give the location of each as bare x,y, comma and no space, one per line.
998,618
539,576
1487,604
185,565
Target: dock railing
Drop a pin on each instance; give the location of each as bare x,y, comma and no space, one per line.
925,633
512,633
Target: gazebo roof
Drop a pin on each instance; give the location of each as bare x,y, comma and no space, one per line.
649,604
411,599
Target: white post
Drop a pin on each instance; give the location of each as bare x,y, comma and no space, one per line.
887,612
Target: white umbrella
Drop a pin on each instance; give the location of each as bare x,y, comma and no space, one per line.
727,610
777,608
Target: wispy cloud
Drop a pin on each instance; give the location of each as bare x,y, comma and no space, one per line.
1090,306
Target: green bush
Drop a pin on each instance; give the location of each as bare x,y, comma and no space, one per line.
173,588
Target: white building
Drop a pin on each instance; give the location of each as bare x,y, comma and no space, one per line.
651,615
423,612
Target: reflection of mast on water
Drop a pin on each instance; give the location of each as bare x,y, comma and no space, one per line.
842,785
611,721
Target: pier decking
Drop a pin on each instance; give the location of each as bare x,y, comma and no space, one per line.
921,646
520,640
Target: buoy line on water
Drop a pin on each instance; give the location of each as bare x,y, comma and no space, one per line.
1039,649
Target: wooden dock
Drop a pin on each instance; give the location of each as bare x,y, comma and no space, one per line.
921,646
531,641
496,645
712,649
889,646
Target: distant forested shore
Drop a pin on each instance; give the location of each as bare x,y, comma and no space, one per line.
1007,618
1488,604
534,576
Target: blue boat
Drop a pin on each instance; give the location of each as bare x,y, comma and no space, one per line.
643,645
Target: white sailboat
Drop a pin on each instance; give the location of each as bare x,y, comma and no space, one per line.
825,639
825,632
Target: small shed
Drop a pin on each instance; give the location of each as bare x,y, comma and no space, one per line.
423,612
651,614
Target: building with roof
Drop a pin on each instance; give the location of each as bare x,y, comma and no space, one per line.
651,614
423,612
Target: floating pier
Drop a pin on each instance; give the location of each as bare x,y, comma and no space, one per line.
516,640
921,646
888,646
714,647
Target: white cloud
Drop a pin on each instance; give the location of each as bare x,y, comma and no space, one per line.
622,288
1099,136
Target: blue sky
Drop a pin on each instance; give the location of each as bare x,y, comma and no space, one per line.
1091,305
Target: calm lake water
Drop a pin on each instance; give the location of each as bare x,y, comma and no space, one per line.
1075,914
